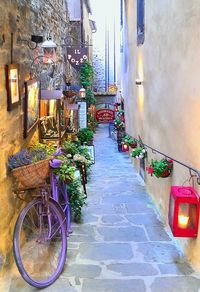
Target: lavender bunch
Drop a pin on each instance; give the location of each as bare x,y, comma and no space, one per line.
21,158
26,157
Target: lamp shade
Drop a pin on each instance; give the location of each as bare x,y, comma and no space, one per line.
49,51
82,92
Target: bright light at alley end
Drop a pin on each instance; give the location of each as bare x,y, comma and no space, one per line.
82,92
184,211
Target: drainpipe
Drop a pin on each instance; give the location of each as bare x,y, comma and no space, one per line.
106,48
82,31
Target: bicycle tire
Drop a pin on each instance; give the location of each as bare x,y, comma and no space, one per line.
56,214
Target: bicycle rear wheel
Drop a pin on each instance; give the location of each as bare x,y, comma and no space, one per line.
40,242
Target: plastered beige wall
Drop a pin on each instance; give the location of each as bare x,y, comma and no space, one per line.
165,110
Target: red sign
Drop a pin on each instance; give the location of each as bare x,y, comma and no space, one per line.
105,115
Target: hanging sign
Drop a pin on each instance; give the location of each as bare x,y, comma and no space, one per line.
77,56
105,115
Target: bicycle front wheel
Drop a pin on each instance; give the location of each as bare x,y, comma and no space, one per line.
40,243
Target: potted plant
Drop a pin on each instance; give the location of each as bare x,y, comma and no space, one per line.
139,153
118,123
85,136
160,168
129,141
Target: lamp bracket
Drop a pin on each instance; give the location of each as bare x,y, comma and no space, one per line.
34,39
2,39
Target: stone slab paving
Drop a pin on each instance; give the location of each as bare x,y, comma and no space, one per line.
121,244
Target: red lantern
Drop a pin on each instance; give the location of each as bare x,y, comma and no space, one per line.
125,147
184,211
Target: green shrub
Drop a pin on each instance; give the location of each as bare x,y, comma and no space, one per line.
85,135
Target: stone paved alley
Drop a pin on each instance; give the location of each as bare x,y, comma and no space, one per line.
122,246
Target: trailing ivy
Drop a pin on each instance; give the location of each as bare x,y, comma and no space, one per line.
76,198
86,80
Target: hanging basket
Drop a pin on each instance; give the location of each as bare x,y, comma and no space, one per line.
162,168
133,145
165,173
32,175
69,93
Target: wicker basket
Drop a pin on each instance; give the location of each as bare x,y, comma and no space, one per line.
33,174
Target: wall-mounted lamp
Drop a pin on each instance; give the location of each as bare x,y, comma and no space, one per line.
49,50
82,92
138,81
36,39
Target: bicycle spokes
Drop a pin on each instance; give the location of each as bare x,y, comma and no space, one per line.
41,241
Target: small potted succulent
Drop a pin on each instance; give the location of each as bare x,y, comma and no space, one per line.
160,168
139,153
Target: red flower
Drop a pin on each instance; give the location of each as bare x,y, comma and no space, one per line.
150,169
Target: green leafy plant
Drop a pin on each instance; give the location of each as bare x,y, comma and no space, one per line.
85,135
160,168
65,171
129,141
86,74
139,153
70,147
77,199
90,99
118,123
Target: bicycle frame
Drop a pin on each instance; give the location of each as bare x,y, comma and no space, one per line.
57,186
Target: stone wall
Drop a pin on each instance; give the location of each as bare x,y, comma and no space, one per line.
105,98
164,110
22,18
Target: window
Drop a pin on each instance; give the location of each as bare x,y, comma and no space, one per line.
140,22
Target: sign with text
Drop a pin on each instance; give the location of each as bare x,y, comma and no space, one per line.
105,115
82,114
77,56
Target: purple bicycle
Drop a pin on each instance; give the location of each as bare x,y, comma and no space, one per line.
40,234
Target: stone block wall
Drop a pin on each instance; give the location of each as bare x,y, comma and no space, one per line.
22,18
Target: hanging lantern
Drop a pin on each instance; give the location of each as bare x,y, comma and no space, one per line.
82,92
184,211
49,51
125,147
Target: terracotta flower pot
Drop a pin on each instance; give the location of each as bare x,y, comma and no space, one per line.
133,145
165,173
69,93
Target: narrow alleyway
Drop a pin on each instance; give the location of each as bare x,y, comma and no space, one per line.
121,246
